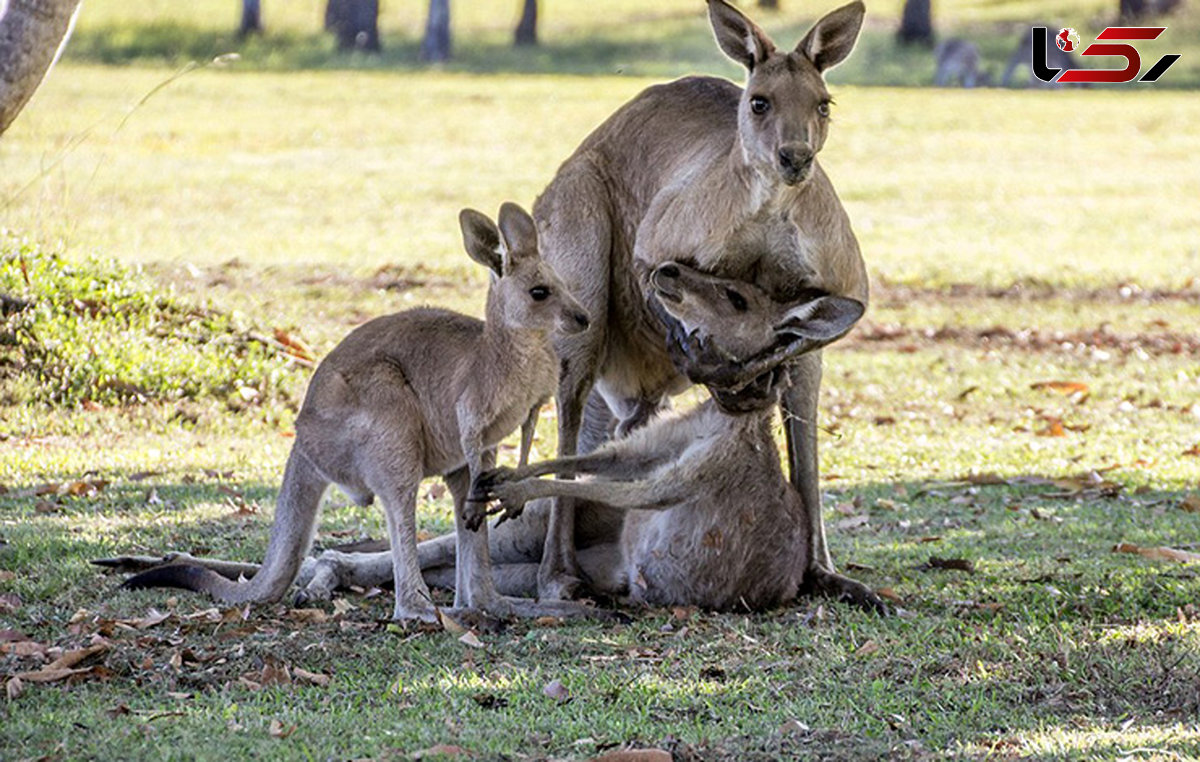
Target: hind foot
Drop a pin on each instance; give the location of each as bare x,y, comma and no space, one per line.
843,589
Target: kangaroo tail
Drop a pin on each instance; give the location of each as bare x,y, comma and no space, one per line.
291,535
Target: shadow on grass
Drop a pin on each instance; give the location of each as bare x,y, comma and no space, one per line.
1052,634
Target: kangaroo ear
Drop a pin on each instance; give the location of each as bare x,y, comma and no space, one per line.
821,320
519,232
738,36
481,239
832,38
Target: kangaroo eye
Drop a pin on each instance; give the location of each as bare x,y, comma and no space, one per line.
539,293
759,105
737,300
823,109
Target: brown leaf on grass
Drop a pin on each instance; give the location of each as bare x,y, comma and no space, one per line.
1062,387
951,564
153,618
440,750
471,639
966,393
889,594
85,487
118,711
278,730
77,656
308,616
314,678
13,688
273,673
9,602
1190,504
867,648
557,691
634,755
45,506
23,648
450,624
1053,428
294,345
1158,553
548,621
1193,451
7,576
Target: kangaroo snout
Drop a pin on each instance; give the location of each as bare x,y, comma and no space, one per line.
574,321
795,163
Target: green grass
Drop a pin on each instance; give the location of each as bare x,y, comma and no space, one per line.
238,200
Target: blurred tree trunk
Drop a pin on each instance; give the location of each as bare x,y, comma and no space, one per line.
772,5
526,33
355,23
916,23
251,18
1131,10
436,45
32,34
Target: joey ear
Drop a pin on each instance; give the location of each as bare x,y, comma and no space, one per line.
519,231
739,37
832,38
822,320
481,239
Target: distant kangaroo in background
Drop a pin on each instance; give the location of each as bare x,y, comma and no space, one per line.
420,393
958,61
725,178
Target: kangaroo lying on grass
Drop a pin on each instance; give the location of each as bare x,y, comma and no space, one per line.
708,517
424,392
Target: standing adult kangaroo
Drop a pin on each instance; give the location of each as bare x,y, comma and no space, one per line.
725,179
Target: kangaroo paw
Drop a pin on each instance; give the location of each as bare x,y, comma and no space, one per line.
482,490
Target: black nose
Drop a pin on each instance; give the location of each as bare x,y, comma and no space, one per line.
794,161
669,271
582,320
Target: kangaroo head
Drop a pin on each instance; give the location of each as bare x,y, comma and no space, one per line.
783,115
525,291
741,327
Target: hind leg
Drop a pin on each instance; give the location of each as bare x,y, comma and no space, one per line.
399,498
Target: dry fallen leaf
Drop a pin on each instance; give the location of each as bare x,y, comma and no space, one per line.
471,639
1158,553
1193,451
316,678
14,688
7,576
278,730
1062,387
889,594
450,624
1054,428
557,691
867,648
1190,504
308,616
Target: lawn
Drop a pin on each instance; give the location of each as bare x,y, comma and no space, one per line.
1022,397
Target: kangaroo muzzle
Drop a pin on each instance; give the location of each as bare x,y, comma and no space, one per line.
795,164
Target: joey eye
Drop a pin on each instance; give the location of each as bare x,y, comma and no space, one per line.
737,300
823,109
539,293
759,105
